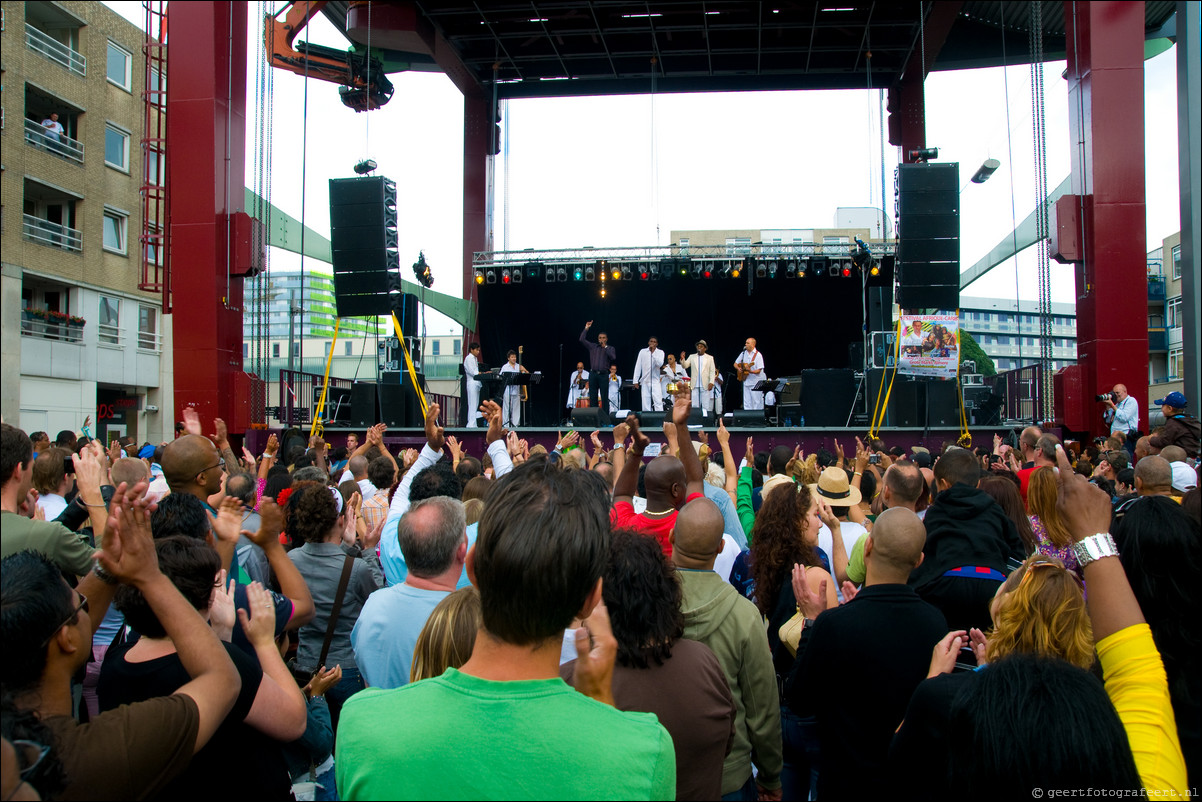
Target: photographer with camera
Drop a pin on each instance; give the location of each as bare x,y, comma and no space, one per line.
1122,415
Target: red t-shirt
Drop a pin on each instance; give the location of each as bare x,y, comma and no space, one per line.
1024,481
623,516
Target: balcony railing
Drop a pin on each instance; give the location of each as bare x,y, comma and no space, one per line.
44,232
60,145
55,50
1156,289
109,334
150,341
36,327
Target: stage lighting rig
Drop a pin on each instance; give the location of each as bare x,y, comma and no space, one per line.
626,273
761,270
736,269
561,274
490,275
364,167
586,273
791,269
422,271
506,276
863,258
924,154
772,268
479,276
549,275
616,273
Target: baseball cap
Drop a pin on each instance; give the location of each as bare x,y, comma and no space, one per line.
1174,399
1184,477
146,452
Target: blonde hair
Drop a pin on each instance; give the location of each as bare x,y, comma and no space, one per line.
804,471
447,639
473,508
1041,500
1043,614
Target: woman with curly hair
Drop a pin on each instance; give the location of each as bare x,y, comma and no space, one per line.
1040,611
1051,535
786,533
312,518
658,671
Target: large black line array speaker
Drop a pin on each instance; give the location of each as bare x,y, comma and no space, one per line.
827,396
363,238
928,230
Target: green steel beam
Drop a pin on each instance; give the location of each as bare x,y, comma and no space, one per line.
284,231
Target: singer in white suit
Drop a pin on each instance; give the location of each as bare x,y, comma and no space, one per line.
702,373
471,369
646,375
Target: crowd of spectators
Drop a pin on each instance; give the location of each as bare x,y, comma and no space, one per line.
593,622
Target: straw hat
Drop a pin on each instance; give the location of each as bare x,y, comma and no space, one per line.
834,487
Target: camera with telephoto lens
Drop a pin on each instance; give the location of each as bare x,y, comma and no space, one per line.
1107,397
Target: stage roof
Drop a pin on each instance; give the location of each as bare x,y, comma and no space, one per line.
599,47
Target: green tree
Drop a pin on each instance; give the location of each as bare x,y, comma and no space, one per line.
971,352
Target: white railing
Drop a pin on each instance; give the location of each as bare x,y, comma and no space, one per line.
55,50
150,341
108,334
44,232
36,327
58,144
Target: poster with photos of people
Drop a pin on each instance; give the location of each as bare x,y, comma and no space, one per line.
929,345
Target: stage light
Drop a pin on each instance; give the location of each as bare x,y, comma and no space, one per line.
801,271
818,266
505,276
655,271
736,269
580,273
616,274
727,270
421,271
602,290
561,274
791,270
875,270
516,275
533,269
696,270
626,272
490,276
761,270
684,269
643,274
987,169
772,270
479,276
846,270
549,275
924,154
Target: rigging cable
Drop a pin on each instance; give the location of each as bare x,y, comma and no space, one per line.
1041,214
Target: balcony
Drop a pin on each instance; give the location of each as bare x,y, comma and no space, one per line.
1158,340
50,330
60,145
56,51
52,235
1156,292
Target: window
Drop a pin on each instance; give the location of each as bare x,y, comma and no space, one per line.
347,348
116,148
738,246
246,350
148,328
115,229
1176,363
1176,262
275,350
156,169
456,347
1174,312
154,251
118,69
328,345
434,347
109,326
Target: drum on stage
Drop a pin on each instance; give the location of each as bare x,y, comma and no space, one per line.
582,403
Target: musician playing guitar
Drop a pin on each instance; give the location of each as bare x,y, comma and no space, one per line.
510,404
749,369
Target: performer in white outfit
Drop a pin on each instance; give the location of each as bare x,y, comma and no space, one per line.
703,372
751,362
719,386
576,390
673,372
646,375
614,387
471,369
511,402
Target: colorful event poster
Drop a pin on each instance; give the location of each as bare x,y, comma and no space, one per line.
929,345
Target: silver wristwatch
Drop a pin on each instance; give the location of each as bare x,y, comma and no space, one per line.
1095,547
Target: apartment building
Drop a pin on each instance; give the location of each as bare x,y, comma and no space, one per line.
1008,331
80,339
1166,361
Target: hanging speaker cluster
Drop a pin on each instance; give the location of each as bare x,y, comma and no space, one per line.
928,230
363,238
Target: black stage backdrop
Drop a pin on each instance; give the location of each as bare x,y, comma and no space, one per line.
799,323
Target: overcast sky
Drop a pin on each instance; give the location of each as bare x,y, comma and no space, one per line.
625,171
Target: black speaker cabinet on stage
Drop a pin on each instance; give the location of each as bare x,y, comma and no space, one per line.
363,240
827,396
905,399
651,420
399,405
337,410
591,418
928,230
748,418
364,405
879,309
943,403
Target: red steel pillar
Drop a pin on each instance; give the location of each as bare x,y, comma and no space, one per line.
478,134
206,124
1106,124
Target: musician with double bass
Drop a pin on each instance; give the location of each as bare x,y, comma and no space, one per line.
749,369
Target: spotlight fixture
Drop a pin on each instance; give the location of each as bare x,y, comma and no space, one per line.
791,269
516,275
506,276
863,257
987,169
490,275
561,274
644,274
479,276
846,270
772,266
924,154
684,269
818,266
616,274
422,271
549,276
588,274
532,270
736,269
761,270
696,271
626,272
655,268
875,270
727,270
366,166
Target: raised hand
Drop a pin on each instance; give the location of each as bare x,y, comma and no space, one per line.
680,410
435,437
222,435
588,325
248,459
323,680
839,452
703,437
827,515
227,523
641,441
128,545
191,421
408,457
621,432
809,602
258,620
596,438
491,410
849,591
372,538
749,456
723,434
222,612
979,643
1083,506
943,656
271,523
456,449
273,445
114,452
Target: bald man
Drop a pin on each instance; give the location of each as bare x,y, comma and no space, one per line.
876,648
1154,476
717,615
192,465
1122,414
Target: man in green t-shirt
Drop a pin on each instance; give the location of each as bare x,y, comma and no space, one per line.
504,725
